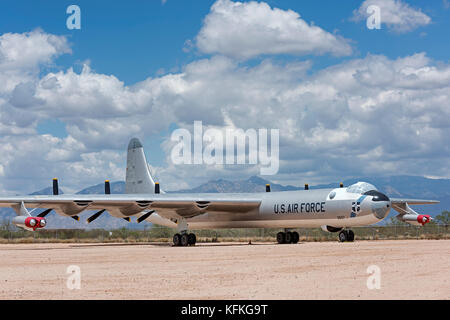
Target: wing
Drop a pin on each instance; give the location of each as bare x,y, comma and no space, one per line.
408,215
167,205
412,201
401,205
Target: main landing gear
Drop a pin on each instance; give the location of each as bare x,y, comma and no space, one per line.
346,235
184,240
288,237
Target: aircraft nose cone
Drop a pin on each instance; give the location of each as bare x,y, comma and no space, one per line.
381,204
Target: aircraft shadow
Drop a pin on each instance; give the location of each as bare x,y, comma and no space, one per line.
156,244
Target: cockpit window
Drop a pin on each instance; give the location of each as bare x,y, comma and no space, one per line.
360,187
376,195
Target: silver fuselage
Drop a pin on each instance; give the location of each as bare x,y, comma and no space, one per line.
290,209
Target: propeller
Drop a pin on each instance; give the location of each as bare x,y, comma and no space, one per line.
107,187
145,216
95,216
44,213
99,213
127,219
55,187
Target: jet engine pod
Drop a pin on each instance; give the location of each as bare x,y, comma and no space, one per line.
29,223
416,219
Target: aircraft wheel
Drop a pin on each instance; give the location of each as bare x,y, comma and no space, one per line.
280,237
350,236
176,240
184,240
343,236
192,239
295,237
288,237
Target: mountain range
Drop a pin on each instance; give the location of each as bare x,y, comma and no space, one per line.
395,186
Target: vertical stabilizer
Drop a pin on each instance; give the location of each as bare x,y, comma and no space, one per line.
138,178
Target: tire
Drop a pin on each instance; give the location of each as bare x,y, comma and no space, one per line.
176,240
288,237
295,237
343,236
192,239
184,240
281,237
350,236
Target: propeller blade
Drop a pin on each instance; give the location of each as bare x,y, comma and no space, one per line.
127,219
145,216
77,218
44,213
95,216
107,187
55,187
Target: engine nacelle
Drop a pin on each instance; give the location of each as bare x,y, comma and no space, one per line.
29,223
416,219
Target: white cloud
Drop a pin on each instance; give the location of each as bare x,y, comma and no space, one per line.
366,116
370,116
250,29
29,50
395,14
21,54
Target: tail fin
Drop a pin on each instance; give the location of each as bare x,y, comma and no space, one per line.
138,177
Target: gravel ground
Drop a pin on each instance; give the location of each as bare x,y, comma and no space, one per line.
409,269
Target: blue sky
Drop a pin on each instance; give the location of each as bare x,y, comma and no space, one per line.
136,40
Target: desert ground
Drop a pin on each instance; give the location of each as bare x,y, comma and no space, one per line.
409,269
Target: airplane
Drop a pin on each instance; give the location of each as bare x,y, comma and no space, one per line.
333,210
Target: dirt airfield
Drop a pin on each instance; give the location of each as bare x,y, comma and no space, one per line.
409,269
